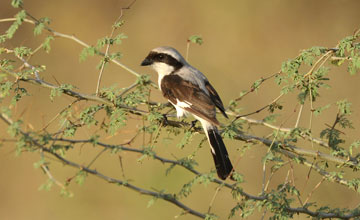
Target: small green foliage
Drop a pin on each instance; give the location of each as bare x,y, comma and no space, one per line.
5,88
109,93
200,179
60,149
279,79
196,39
255,86
57,91
22,51
16,3
115,56
94,139
80,177
308,56
270,156
2,40
274,106
155,117
354,65
89,51
47,185
345,45
271,118
70,129
117,120
39,26
19,93
210,216
232,129
319,110
355,145
87,116
186,139
344,107
119,38
147,152
116,149
15,128
186,162
152,201
118,24
246,208
239,178
66,193
46,44
291,67
143,80
135,98
39,163
15,26
110,41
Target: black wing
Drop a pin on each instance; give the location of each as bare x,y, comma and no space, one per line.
216,98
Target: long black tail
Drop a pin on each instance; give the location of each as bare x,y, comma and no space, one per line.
218,150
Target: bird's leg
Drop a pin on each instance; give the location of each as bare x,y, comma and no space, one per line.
165,120
193,124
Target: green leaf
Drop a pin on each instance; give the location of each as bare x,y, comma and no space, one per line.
57,91
80,177
210,216
39,27
185,140
152,201
39,163
118,39
5,88
354,65
46,45
13,28
15,128
87,116
89,51
47,185
344,107
271,118
16,3
117,120
22,51
196,39
319,110
118,24
355,144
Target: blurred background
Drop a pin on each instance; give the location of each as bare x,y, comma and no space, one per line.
243,41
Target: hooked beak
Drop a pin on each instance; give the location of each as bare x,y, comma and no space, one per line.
146,62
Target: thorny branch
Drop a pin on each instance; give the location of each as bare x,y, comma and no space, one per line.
167,197
288,150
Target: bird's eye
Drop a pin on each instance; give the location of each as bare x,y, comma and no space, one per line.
161,56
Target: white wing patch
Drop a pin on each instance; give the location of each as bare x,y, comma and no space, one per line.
179,106
184,104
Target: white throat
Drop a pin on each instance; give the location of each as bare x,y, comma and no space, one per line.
162,69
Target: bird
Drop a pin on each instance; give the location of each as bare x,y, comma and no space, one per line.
190,92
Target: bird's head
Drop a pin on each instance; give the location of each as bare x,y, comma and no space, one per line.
164,60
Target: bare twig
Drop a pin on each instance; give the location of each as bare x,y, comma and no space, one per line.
259,110
108,46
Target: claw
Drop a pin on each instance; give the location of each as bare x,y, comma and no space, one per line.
193,124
